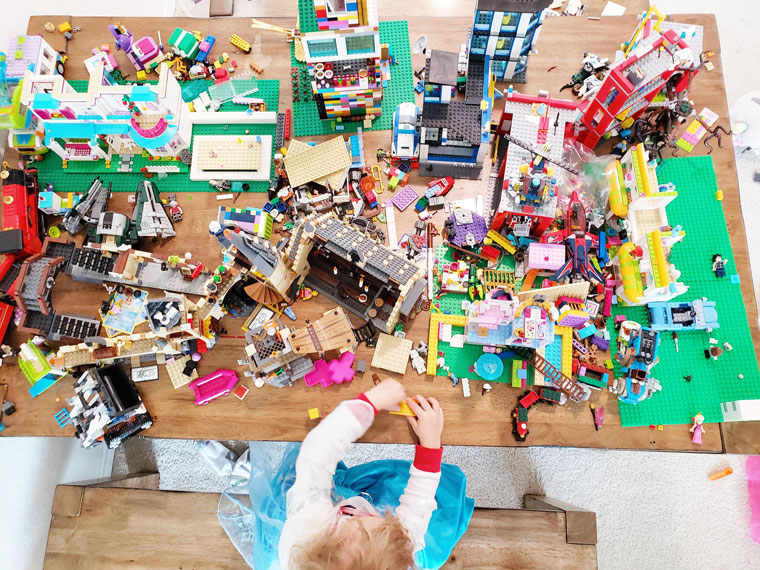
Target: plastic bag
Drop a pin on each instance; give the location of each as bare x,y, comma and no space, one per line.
593,185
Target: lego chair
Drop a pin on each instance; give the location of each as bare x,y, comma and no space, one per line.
126,522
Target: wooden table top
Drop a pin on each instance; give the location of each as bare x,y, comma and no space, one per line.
281,414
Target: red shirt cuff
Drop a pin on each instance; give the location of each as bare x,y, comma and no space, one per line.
426,459
364,398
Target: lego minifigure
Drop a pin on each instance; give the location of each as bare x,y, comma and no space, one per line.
697,429
719,265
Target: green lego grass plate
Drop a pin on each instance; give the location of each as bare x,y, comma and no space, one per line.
306,121
712,381
78,175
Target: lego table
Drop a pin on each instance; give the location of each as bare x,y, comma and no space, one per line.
281,414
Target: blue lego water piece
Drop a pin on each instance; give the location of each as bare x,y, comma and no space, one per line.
290,313
735,279
268,207
43,384
489,366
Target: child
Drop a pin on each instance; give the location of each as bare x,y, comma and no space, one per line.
351,533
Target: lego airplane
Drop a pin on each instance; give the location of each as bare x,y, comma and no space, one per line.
149,215
578,244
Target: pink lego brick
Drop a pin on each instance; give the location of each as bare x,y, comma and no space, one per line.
547,256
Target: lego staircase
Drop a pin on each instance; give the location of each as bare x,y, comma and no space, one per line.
563,383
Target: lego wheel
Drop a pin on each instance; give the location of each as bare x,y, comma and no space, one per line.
59,67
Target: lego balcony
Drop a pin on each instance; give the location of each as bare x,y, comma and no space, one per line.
151,131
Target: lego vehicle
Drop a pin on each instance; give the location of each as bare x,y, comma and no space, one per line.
22,223
685,316
405,136
214,385
520,427
592,67
637,354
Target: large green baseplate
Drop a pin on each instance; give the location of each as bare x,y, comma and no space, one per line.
79,174
306,121
712,381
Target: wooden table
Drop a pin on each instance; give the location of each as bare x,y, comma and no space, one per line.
281,414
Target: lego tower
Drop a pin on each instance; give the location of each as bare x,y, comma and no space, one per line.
506,31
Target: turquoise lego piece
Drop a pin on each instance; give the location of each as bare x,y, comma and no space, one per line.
306,121
78,175
734,375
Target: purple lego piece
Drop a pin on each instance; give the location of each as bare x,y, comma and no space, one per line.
469,228
547,256
30,47
336,372
405,198
574,321
600,342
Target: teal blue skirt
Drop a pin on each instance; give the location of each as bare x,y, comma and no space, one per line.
255,528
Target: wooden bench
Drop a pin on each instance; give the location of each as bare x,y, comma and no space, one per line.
128,523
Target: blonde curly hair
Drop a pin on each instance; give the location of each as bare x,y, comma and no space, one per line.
384,546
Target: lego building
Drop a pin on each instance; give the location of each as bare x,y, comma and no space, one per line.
506,31
109,119
347,65
358,273
454,134
659,60
526,201
643,270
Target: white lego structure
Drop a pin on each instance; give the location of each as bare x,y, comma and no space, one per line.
108,119
643,271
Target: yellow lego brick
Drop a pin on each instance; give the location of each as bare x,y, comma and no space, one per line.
435,319
141,75
719,195
65,27
314,414
404,411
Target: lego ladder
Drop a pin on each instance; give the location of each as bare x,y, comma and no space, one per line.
563,383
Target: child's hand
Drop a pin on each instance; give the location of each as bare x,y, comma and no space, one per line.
428,425
386,395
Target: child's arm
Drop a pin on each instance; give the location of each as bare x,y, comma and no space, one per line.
328,443
418,502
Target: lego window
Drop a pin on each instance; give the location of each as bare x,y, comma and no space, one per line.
322,48
360,44
335,6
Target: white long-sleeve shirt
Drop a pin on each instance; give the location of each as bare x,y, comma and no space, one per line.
310,510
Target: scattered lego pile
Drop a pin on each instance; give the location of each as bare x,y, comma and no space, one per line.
572,304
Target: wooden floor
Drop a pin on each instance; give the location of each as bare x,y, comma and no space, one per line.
97,528
281,414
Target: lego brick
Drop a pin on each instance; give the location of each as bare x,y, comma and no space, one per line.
392,353
400,89
175,370
404,198
735,375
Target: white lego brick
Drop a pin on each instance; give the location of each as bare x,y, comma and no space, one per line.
457,341
465,387
231,157
390,221
741,411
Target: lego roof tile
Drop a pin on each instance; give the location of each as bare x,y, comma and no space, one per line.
142,93
442,67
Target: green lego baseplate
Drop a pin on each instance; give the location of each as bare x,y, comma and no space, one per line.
712,381
78,175
306,121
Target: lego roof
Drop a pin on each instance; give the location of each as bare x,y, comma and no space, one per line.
512,5
461,120
442,67
375,259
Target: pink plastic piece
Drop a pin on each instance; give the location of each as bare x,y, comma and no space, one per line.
403,199
547,256
753,484
212,386
336,372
